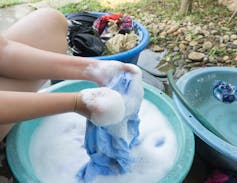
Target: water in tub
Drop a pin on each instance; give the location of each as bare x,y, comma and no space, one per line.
57,149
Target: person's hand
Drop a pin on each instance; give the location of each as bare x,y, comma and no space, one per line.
103,71
102,106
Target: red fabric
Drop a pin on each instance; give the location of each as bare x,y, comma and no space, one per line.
100,23
217,177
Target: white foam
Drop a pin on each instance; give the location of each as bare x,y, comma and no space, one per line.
132,100
106,106
104,71
57,152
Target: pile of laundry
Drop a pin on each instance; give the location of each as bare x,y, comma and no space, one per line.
96,34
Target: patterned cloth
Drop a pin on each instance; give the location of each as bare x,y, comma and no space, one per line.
123,23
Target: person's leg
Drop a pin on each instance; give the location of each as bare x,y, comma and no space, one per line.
44,29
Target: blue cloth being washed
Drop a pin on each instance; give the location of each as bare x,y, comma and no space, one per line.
109,146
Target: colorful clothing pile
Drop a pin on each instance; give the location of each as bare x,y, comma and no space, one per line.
91,34
116,30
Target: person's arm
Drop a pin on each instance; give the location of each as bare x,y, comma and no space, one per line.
97,104
20,106
24,62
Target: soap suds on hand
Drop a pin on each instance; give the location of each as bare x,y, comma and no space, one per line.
105,105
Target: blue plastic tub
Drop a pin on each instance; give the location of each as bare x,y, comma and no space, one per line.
197,88
19,138
129,56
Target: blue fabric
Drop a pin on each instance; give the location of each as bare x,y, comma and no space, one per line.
109,147
225,92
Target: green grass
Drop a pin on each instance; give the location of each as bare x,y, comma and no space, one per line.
85,5
6,3
35,1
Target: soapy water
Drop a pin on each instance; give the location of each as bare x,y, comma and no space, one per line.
57,149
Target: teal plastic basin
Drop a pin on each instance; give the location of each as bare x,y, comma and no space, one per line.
20,136
197,88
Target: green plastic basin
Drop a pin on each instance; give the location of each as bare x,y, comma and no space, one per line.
197,87
18,140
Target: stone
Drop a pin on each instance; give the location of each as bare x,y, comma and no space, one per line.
235,59
211,25
206,33
228,61
222,45
205,59
226,38
214,32
188,37
196,56
196,30
193,43
232,46
172,29
182,46
182,30
163,34
167,58
199,37
233,37
176,33
212,59
225,58
157,48
231,5
207,45
176,48
235,42
221,40
171,46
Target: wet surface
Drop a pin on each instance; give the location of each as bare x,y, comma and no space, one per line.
149,60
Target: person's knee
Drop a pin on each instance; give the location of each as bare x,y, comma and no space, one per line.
55,18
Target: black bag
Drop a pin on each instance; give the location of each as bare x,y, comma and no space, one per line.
82,38
86,45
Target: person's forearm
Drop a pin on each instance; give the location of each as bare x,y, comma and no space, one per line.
24,62
20,106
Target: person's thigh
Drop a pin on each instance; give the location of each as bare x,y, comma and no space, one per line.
44,29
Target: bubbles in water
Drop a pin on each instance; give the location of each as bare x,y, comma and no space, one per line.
57,152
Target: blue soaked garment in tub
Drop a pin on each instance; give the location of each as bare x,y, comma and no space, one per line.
109,146
225,92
